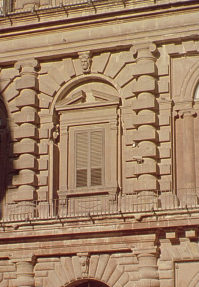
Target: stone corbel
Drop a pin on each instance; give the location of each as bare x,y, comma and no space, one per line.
85,58
84,259
54,133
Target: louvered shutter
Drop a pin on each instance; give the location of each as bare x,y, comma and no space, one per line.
89,148
96,157
82,154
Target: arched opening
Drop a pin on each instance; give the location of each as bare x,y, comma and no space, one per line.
87,283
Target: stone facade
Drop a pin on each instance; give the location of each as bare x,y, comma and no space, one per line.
99,141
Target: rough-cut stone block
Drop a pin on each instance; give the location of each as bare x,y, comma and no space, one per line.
130,169
164,135
42,193
27,98
143,149
69,67
47,85
99,63
44,266
145,133
44,133
78,67
146,182
27,82
167,283
163,85
167,274
43,163
44,101
145,83
144,101
145,117
164,119
10,93
56,75
25,177
103,260
125,75
164,152
146,149
128,137
26,115
25,131
42,179
43,147
165,184
164,169
25,161
41,273
144,69
149,166
25,192
25,146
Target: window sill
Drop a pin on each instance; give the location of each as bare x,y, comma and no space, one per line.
91,191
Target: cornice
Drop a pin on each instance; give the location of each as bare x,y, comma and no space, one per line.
65,14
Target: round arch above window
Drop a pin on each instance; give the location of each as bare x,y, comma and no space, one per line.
87,283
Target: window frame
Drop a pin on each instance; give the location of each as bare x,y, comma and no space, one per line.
104,115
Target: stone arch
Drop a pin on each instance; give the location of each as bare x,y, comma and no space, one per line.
69,85
190,83
101,267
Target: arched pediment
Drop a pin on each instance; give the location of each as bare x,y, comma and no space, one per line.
87,95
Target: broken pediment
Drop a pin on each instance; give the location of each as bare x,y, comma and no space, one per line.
86,98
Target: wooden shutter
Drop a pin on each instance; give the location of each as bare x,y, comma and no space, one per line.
96,157
82,153
89,149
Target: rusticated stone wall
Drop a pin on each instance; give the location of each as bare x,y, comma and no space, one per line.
135,75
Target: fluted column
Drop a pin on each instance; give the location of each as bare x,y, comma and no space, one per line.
26,135
145,136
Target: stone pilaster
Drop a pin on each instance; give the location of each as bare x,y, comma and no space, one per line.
26,135
25,274
145,135
189,172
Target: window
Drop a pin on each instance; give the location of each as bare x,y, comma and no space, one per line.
89,137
